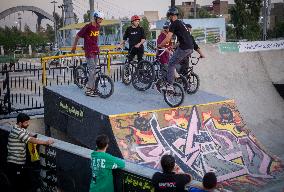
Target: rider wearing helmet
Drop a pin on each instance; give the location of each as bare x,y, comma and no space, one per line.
184,49
185,62
136,37
164,58
90,32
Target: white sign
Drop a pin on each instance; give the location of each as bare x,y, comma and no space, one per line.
260,46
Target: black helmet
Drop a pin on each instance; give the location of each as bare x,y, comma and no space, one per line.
188,25
166,25
172,11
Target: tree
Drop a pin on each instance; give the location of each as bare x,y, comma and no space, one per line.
203,13
146,26
59,20
86,16
245,16
180,13
278,31
49,32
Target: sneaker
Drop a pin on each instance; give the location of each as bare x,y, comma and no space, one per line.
91,93
167,87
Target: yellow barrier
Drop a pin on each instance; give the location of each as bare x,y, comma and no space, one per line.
107,53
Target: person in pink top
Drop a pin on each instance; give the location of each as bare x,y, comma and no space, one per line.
164,58
90,33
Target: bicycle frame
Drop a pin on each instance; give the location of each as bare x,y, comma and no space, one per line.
194,61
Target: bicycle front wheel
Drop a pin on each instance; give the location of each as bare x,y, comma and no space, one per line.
126,74
182,81
174,98
144,75
104,85
193,83
80,77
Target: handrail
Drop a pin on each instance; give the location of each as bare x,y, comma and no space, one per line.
107,53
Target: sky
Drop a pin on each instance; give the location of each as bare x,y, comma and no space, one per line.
116,8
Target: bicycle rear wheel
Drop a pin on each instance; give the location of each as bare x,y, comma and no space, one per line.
193,83
104,85
174,98
80,77
144,75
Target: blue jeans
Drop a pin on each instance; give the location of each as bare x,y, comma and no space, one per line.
92,62
177,57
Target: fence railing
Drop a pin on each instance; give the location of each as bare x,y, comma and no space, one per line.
21,85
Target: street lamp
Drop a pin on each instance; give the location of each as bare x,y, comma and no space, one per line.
55,31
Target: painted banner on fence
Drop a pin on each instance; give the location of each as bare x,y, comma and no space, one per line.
251,46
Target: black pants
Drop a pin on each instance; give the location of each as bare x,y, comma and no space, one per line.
136,51
183,66
18,177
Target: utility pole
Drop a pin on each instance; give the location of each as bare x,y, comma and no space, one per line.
62,7
55,30
266,5
173,3
91,9
194,9
20,21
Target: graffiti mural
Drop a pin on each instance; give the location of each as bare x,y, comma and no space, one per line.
202,138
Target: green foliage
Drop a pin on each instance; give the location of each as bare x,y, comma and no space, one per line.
86,16
12,38
231,33
244,16
125,25
181,13
144,23
278,31
203,13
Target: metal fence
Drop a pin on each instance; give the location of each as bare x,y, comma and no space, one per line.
21,86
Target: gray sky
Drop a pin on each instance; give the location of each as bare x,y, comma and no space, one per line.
116,8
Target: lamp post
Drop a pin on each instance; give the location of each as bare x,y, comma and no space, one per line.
62,7
55,30
173,3
20,21
266,4
91,9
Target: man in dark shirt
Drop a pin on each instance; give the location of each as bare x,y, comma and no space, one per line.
169,181
136,37
184,49
185,62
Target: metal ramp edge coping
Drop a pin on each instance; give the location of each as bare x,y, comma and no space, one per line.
164,109
86,153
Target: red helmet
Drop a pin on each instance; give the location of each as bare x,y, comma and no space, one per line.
135,17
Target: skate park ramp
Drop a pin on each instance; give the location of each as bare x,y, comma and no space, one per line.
208,137
248,79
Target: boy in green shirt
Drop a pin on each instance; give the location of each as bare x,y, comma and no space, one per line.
102,165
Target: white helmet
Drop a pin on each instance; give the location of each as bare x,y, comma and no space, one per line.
98,14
